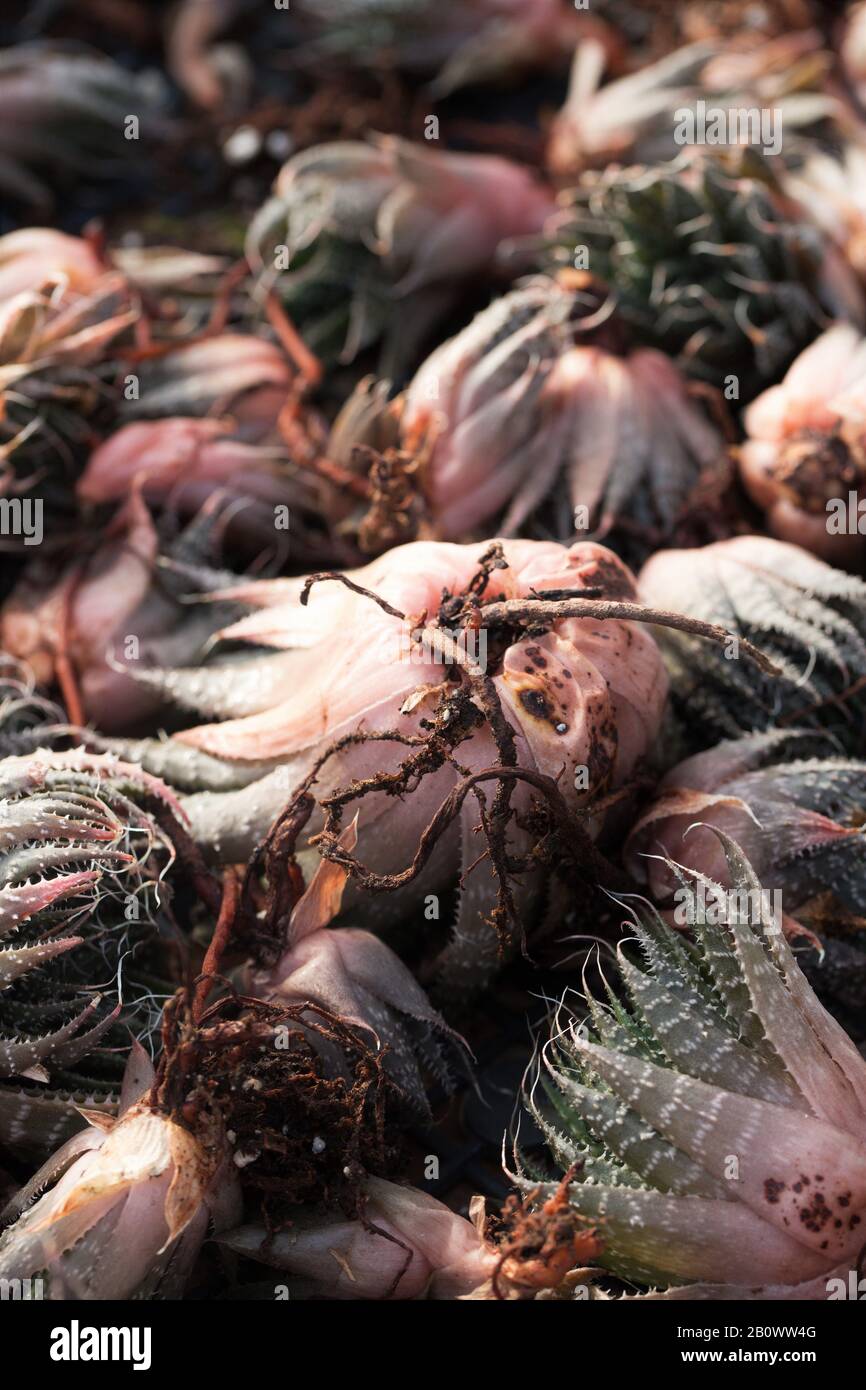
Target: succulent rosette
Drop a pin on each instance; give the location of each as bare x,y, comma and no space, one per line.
718,1116
363,676
806,616
533,403
73,372
606,122
828,189
241,375
28,719
804,458
109,609
130,1200
62,312
182,464
486,39
793,807
709,261
354,975
459,43
65,116
643,116
86,951
356,230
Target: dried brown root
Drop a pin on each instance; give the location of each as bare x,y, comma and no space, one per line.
297,1094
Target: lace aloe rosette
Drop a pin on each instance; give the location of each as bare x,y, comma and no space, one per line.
432,716
183,464
794,806
828,188
65,114
63,313
803,461
356,232
28,719
717,1112
728,89
89,951
709,262
462,43
121,1209
457,42
538,409
113,608
808,617
441,694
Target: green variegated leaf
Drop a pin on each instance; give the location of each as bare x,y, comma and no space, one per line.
730,1101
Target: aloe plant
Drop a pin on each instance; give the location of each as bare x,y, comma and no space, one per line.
62,312
807,616
65,115
130,1199
347,698
82,909
357,232
534,401
707,262
804,462
718,1115
793,806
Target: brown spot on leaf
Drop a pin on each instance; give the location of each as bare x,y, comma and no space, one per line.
536,704
816,1216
